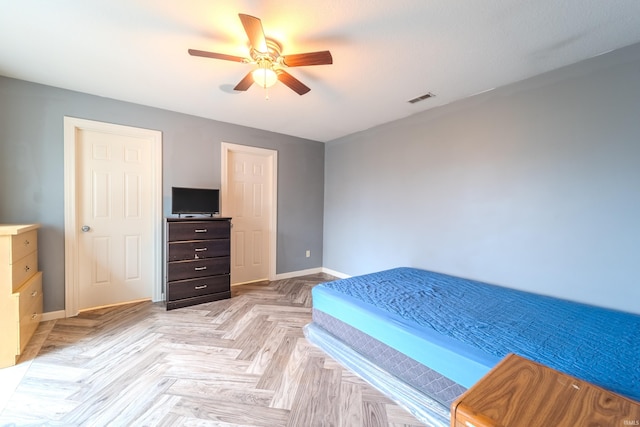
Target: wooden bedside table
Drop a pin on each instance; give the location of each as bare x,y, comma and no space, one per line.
519,392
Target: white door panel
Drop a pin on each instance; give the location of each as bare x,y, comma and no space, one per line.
250,201
114,190
251,254
114,178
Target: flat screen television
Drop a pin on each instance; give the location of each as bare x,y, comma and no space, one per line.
192,201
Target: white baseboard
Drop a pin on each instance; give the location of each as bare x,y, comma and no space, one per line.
316,270
249,283
53,315
298,273
335,273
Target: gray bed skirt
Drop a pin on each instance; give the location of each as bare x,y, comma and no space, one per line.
431,408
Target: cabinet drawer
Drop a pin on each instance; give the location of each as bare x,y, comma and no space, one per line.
196,249
29,293
21,245
196,287
180,270
15,274
29,324
198,230
30,308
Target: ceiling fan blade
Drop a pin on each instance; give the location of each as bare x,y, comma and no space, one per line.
245,83
312,58
253,28
294,84
214,55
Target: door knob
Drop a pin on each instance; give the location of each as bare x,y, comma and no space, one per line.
85,228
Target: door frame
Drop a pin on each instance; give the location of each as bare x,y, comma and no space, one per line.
272,157
71,202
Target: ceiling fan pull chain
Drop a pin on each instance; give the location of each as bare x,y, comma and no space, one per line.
264,67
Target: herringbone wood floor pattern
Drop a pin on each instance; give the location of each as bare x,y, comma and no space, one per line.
237,362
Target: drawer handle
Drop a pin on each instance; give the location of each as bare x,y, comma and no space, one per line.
33,316
200,230
34,293
27,268
200,268
26,243
201,249
200,287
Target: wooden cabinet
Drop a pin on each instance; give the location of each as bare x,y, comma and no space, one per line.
20,290
198,260
519,392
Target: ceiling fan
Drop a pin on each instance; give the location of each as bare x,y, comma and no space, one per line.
266,53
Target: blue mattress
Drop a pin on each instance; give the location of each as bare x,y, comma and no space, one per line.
462,328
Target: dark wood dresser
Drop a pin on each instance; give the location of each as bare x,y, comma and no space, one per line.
198,260
518,392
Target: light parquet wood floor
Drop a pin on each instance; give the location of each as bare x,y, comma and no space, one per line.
237,362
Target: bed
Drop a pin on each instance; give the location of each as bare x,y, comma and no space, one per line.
423,338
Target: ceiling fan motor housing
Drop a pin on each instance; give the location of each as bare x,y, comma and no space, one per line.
272,56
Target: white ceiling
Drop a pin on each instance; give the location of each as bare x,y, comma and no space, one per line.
385,52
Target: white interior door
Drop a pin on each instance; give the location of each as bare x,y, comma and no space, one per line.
249,199
116,220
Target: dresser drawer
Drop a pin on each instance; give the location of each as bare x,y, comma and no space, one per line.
180,270
30,308
28,326
198,230
196,287
29,293
15,274
18,246
196,249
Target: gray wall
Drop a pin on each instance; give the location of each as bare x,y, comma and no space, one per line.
31,169
534,186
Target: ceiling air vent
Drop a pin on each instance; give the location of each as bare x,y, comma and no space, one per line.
422,98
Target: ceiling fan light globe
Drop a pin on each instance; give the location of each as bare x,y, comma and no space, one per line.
264,77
